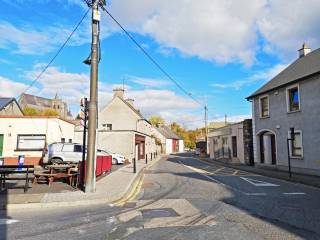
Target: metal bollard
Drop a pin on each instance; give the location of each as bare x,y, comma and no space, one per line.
146,158
134,165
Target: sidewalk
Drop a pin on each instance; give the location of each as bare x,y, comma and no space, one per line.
109,189
274,173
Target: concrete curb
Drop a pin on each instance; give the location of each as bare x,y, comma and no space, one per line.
111,200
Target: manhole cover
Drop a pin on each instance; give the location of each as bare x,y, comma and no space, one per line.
157,213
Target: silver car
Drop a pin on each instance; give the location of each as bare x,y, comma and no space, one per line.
63,152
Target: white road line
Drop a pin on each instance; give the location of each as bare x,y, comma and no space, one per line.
5,221
256,194
259,183
204,173
294,193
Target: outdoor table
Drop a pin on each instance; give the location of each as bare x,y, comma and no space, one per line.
62,171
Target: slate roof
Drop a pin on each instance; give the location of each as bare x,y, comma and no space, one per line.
167,132
297,71
35,100
4,102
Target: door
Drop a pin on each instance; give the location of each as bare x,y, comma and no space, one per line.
1,144
273,150
261,149
234,147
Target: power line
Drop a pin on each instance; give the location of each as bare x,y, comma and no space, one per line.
150,57
56,55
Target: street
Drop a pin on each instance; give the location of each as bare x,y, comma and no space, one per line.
182,197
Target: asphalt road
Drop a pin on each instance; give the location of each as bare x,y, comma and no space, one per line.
184,198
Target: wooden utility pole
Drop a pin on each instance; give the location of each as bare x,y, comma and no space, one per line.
92,123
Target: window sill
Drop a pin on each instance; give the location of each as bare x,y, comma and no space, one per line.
28,150
294,111
265,117
296,157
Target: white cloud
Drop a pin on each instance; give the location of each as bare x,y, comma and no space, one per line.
30,41
10,88
148,82
286,25
262,76
221,31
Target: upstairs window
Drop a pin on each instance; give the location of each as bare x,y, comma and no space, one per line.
264,106
293,100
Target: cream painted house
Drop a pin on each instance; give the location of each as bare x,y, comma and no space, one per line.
122,129
29,136
170,141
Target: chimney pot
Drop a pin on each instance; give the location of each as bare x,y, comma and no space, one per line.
304,50
118,92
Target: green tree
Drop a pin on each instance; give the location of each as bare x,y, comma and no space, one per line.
50,112
29,111
156,120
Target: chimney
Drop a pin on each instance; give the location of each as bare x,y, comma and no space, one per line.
130,101
118,92
304,50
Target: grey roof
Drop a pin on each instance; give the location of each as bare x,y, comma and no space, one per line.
167,132
35,100
298,70
5,101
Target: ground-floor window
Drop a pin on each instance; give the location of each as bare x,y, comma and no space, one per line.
31,142
297,149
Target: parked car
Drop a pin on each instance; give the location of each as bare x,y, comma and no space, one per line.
116,158
66,152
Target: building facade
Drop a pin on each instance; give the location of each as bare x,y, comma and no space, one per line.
170,141
233,143
122,129
289,100
41,104
29,136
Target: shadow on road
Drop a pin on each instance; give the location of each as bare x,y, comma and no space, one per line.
288,213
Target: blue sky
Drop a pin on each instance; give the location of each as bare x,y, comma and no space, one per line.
219,51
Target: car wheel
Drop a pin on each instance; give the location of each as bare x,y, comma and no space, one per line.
115,161
56,161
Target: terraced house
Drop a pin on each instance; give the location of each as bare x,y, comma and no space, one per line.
289,100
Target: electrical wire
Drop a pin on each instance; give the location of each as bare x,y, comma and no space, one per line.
150,57
56,55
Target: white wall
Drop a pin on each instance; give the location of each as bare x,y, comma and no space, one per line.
168,146
53,128
181,146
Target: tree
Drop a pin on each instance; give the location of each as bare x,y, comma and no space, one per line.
50,112
156,120
29,111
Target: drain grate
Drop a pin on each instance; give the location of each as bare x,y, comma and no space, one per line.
157,213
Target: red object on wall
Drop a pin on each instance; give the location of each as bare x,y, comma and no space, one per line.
175,145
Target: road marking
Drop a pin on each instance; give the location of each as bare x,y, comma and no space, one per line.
236,172
258,183
294,193
256,194
7,221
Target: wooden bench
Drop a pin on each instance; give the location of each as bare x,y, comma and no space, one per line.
12,172
46,176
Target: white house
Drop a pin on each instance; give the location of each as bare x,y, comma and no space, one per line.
29,136
170,141
122,129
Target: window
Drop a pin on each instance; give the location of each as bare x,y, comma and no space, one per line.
293,99
63,140
31,142
70,140
296,148
109,127
264,106
77,148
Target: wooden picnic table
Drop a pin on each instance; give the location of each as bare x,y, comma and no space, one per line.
58,171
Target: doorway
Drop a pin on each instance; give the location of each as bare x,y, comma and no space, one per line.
268,149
